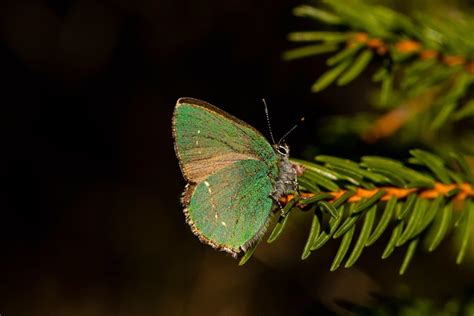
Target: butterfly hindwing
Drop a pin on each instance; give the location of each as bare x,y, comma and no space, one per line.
230,209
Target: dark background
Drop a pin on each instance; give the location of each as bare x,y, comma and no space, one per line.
90,221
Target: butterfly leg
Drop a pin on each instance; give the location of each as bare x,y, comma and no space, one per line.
282,209
277,205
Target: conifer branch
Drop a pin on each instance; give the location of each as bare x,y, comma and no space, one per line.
427,64
420,202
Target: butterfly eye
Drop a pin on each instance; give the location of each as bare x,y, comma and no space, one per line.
283,150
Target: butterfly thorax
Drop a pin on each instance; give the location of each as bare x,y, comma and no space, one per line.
287,180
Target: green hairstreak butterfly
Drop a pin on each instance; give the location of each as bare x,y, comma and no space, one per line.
234,175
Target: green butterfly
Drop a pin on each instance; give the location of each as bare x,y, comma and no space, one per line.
234,175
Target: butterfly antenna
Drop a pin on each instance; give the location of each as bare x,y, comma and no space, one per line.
268,120
289,132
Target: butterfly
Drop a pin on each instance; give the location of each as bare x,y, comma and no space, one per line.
234,175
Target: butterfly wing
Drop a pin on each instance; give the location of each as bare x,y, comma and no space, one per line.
207,139
229,209
230,168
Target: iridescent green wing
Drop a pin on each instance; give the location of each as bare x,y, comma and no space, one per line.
231,168
229,210
207,139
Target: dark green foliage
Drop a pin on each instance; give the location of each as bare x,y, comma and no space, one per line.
285,214
425,63
325,236
465,230
343,248
383,222
313,234
363,236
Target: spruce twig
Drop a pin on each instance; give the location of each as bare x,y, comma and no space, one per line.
420,201
426,65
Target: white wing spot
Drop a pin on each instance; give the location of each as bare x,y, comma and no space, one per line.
197,141
224,224
215,216
210,192
208,187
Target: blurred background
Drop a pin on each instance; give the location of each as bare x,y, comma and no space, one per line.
90,220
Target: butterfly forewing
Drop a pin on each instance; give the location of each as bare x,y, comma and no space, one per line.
208,139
